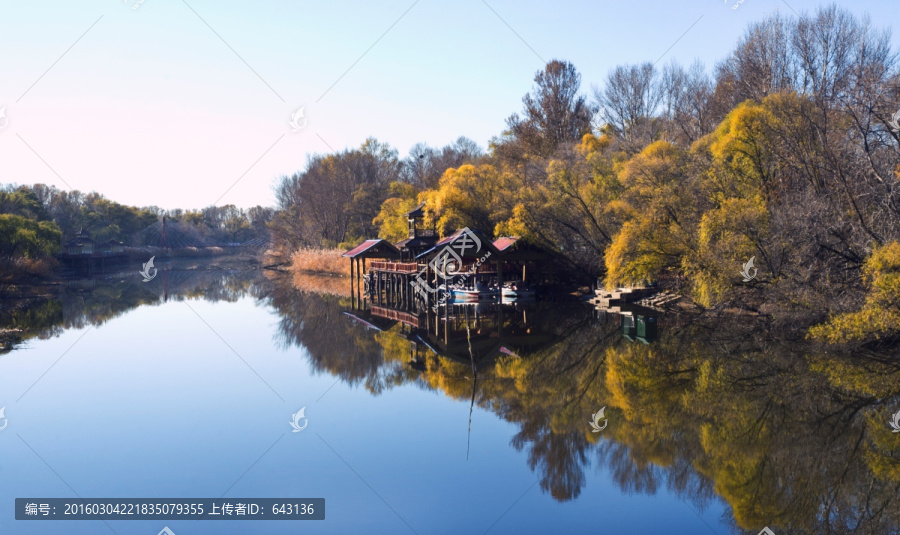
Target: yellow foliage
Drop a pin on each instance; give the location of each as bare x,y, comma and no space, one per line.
727,238
467,196
880,315
658,198
392,225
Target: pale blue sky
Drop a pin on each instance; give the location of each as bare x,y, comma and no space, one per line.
150,106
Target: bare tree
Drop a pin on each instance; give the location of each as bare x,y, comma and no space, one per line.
687,102
555,112
629,102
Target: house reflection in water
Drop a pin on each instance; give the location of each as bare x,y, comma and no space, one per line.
471,333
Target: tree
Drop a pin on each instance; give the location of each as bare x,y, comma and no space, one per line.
629,102
391,220
880,315
761,63
336,198
554,112
425,165
687,99
660,210
22,238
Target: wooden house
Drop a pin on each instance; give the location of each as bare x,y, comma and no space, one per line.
81,244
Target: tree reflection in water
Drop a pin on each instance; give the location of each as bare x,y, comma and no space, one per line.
787,433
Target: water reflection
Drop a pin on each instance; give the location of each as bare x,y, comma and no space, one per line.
77,303
713,407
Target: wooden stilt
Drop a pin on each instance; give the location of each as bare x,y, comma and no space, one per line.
364,295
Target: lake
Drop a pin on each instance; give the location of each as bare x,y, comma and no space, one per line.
478,420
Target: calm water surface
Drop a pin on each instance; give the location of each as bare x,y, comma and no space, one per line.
185,387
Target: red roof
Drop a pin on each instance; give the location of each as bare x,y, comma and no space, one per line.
504,242
369,245
449,238
483,241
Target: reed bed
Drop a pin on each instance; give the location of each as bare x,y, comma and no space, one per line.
320,261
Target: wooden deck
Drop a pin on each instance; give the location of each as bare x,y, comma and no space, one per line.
413,320
395,267
606,299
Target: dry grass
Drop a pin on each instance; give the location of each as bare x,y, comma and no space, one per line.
320,261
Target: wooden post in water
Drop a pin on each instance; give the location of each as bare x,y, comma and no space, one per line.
359,282
352,282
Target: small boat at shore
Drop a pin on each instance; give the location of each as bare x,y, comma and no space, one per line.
480,292
518,291
465,294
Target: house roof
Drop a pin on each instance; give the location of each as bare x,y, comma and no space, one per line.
467,242
418,241
373,249
81,237
502,243
516,249
417,211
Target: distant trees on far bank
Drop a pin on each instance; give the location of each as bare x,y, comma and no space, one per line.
35,221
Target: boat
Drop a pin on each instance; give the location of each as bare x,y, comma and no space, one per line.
479,293
518,291
468,294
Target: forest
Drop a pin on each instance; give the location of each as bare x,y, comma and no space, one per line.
36,220
786,152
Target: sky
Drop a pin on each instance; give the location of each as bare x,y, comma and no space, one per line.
187,103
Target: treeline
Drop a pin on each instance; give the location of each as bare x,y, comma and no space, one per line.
335,201
35,221
786,152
